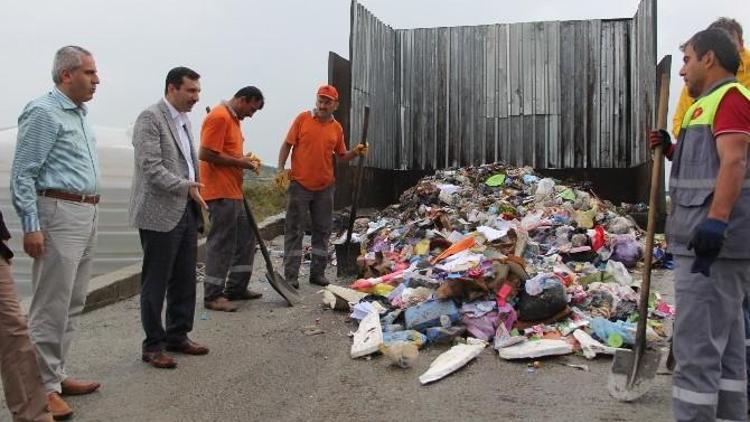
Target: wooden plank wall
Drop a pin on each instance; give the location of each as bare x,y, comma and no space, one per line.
569,94
374,83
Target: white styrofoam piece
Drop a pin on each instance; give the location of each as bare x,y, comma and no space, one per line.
369,336
536,349
450,361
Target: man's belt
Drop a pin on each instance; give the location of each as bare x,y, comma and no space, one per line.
67,196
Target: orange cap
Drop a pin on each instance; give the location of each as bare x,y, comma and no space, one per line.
328,91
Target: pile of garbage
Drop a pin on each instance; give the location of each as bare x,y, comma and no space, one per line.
496,255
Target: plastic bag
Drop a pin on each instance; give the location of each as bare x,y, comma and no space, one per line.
506,316
585,219
382,289
532,221
626,249
406,336
546,305
619,272
607,331
620,225
544,189
540,282
482,327
599,238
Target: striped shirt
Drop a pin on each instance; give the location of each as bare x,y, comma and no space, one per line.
55,149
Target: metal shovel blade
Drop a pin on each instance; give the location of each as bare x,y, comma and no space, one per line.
283,288
623,384
346,259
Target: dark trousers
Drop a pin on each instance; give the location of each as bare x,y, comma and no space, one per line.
169,271
230,250
319,205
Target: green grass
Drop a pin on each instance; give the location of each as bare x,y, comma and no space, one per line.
265,199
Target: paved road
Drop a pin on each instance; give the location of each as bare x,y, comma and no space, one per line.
263,368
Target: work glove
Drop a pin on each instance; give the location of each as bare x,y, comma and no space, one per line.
361,149
661,137
708,238
282,179
255,161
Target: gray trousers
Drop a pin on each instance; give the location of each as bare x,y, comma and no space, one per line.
319,205
60,279
24,393
709,342
230,249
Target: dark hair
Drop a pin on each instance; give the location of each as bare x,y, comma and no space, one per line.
175,76
718,41
250,93
728,24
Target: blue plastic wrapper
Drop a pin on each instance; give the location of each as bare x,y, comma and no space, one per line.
407,336
529,179
431,313
603,328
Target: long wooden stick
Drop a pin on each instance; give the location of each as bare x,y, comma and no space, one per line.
658,158
358,177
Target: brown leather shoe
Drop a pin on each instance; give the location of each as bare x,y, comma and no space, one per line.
188,347
74,387
159,360
245,295
58,408
220,304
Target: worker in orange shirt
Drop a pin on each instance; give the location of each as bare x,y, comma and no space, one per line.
230,248
313,139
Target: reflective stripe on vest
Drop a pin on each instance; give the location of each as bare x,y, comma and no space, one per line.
700,183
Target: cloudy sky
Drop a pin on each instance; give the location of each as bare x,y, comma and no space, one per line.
281,46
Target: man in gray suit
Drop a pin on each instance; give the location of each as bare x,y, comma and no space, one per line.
165,206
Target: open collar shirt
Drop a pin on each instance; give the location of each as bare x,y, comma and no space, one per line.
55,149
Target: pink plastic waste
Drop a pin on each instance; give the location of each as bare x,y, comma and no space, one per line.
506,315
482,327
502,294
367,283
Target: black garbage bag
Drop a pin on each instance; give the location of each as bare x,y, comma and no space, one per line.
545,305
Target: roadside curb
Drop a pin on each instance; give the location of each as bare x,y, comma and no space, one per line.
125,283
